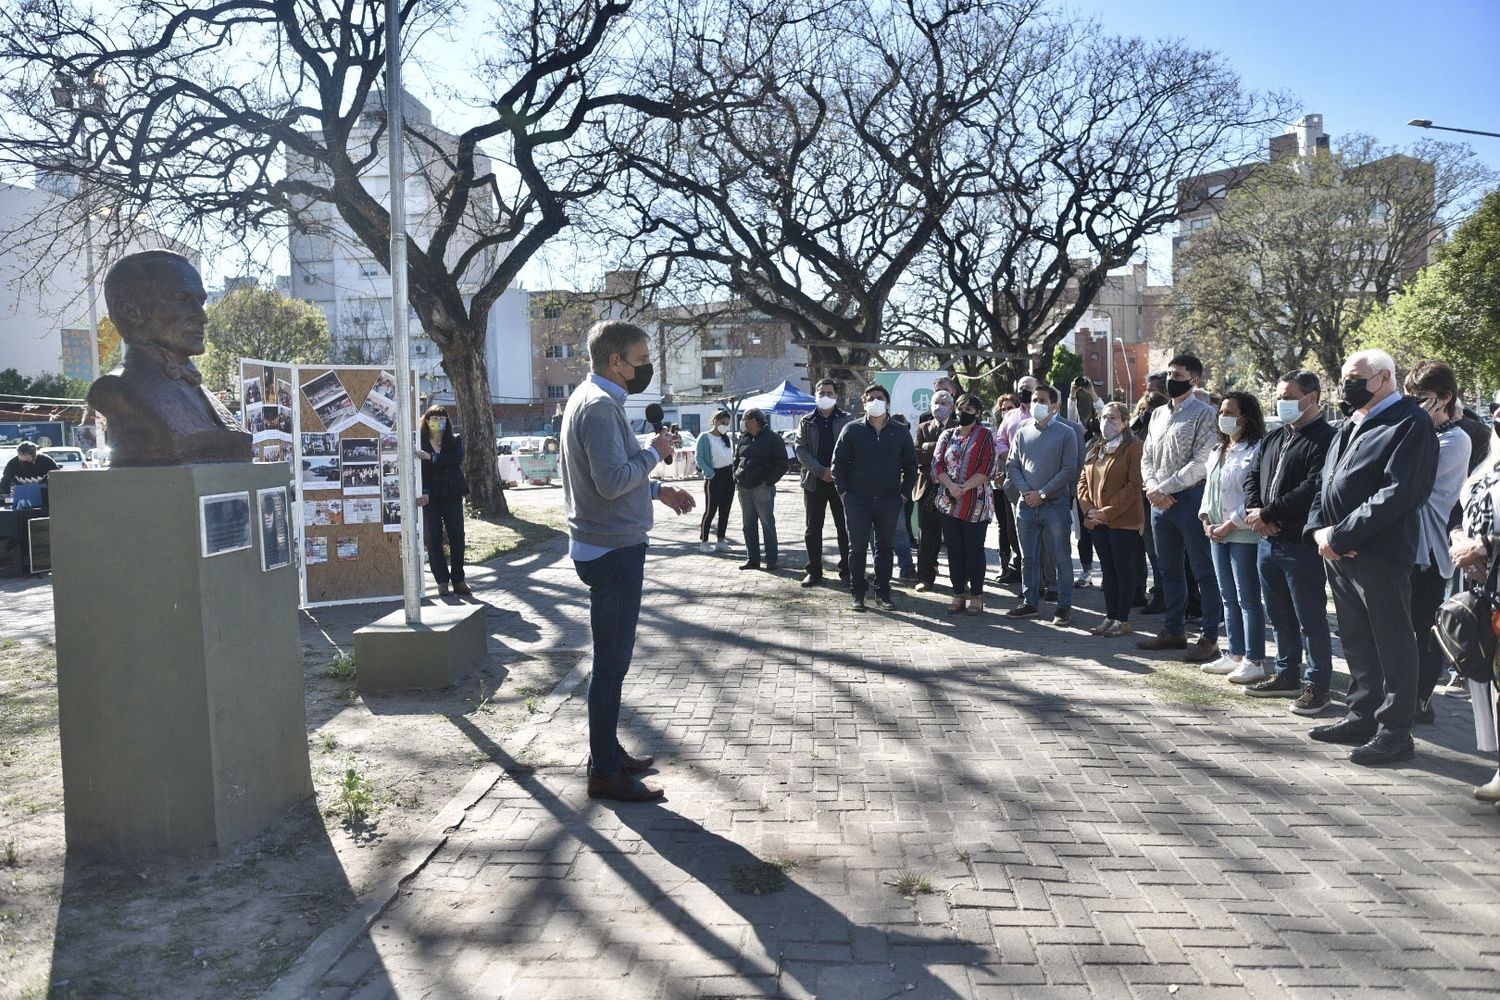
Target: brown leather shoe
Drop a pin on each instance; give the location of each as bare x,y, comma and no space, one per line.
621,787
462,589
635,765
1202,651
1166,640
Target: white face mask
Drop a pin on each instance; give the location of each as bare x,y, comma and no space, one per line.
1111,429
1229,424
826,403
875,407
1289,410
1040,411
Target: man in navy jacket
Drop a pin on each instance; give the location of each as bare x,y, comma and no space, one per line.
1378,474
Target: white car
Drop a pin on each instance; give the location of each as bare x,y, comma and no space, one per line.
66,458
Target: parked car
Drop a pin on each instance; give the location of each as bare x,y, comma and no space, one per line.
66,458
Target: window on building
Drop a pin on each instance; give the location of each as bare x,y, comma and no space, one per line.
370,269
754,338
560,351
711,369
559,391
552,312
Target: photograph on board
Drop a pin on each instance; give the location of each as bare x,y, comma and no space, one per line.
388,444
362,510
326,395
284,393
250,393
224,523
359,451
348,548
319,472
362,480
270,451
253,421
275,531
390,487
315,549
322,513
320,444
390,515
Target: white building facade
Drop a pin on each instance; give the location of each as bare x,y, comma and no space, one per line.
333,270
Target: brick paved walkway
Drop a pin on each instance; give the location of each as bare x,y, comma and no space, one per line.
1083,835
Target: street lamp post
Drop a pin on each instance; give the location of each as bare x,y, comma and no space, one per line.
1427,123
65,96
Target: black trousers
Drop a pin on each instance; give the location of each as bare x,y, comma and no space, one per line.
718,498
436,517
930,536
1148,545
1373,600
815,504
1428,588
1007,542
1085,537
965,554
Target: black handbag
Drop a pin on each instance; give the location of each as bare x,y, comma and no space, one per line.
1465,628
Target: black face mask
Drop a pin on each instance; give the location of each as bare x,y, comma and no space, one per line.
1178,387
1345,408
1357,392
640,378
967,419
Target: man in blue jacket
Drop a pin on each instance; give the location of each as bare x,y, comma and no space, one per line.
1378,474
874,469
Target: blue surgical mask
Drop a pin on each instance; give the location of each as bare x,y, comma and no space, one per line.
1289,410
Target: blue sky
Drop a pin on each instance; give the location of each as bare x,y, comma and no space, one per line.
1365,65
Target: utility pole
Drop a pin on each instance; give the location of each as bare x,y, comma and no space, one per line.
406,447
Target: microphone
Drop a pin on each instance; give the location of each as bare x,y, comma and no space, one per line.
655,417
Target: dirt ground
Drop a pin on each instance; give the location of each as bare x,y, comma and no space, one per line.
227,927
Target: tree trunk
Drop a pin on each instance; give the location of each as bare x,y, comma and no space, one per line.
467,372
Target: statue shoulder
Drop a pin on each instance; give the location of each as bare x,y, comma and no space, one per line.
107,388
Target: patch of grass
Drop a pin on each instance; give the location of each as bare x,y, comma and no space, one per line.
12,856
489,538
964,858
531,705
1188,685
355,798
328,742
911,883
761,878
341,667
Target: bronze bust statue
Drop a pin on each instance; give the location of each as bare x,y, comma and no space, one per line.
157,410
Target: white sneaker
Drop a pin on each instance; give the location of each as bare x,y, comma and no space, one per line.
705,546
723,546
1248,673
1225,664
1084,580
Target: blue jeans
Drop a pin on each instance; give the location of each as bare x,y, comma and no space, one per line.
1054,519
757,514
871,520
1179,540
1239,586
1292,578
614,580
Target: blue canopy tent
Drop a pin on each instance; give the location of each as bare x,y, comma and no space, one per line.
785,398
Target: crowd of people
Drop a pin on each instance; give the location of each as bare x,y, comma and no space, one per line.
1239,524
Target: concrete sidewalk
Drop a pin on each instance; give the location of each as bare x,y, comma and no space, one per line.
1085,827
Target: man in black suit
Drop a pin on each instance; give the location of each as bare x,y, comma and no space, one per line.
1378,474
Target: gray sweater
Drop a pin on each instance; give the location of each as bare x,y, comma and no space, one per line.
605,472
1045,459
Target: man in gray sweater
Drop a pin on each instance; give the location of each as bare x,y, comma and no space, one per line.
1043,469
607,492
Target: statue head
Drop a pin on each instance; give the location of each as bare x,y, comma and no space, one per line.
156,297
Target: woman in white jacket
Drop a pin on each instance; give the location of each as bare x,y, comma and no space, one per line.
1235,546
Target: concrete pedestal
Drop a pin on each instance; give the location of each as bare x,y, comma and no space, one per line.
180,691
390,655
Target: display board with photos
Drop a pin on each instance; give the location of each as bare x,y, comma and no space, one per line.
266,397
347,482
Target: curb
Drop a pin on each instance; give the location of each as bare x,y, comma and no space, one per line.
334,942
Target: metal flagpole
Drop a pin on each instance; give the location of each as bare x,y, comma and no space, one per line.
406,437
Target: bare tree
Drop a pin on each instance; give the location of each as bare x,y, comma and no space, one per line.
839,134
1307,248
1100,130
237,118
